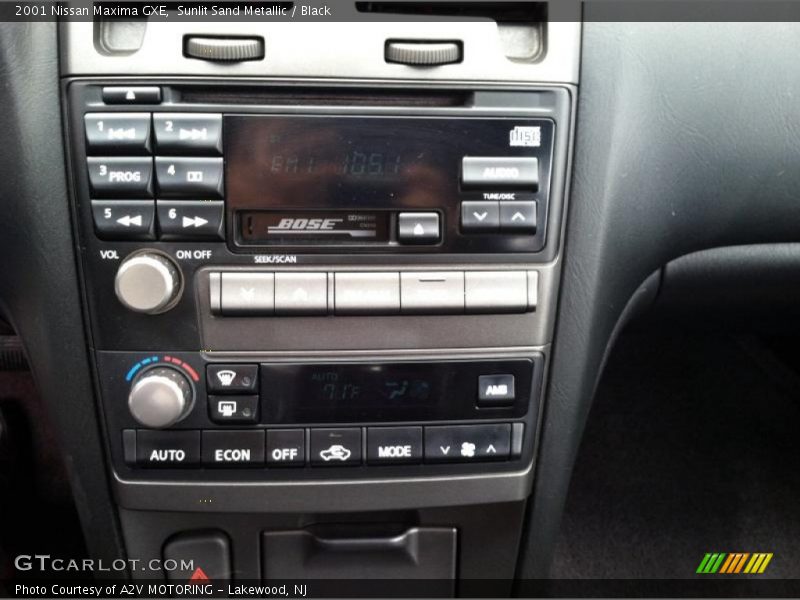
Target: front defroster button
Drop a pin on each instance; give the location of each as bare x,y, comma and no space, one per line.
232,378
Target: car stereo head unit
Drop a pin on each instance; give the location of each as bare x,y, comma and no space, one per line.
441,184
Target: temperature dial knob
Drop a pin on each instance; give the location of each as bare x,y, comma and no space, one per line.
148,282
160,397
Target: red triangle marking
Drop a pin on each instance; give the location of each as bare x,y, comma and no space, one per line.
199,575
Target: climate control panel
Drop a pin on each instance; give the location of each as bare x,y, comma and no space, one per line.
187,412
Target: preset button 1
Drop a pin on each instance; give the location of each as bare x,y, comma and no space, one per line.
118,133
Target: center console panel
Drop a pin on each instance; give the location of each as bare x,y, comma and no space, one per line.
319,310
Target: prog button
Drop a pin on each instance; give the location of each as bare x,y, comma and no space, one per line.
121,176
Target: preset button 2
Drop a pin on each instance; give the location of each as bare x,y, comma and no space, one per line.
188,133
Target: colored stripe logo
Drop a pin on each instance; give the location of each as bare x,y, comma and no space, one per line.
734,563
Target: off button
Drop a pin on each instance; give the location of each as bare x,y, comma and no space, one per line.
286,447
394,445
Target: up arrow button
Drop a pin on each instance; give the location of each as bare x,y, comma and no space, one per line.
518,216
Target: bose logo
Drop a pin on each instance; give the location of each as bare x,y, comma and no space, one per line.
308,224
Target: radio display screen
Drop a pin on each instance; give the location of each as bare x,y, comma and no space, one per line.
317,180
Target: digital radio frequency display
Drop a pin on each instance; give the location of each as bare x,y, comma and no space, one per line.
316,180
330,227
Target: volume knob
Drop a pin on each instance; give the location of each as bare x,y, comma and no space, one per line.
148,282
160,397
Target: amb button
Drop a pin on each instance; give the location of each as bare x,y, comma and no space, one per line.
495,390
